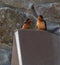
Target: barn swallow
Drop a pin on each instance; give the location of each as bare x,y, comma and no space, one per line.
26,24
41,24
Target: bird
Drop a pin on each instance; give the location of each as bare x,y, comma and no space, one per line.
26,24
41,23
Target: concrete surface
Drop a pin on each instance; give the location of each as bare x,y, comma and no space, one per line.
37,48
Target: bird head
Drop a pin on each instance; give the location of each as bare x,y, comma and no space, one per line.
28,21
40,17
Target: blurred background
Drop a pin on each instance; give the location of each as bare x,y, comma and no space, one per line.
19,3
13,13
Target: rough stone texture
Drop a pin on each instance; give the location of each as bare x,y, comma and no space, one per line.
22,3
13,13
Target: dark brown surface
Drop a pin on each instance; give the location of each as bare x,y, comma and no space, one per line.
38,48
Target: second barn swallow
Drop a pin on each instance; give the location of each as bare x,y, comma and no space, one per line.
41,24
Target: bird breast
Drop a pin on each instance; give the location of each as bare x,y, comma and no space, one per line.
41,25
26,26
